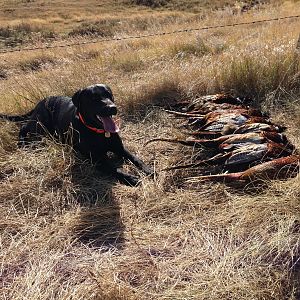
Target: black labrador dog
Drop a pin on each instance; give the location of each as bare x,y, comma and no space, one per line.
84,121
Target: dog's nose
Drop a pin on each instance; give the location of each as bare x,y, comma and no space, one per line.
113,110
110,108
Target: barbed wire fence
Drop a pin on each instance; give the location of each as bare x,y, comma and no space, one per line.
148,35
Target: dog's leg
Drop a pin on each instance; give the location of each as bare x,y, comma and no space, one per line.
137,162
24,140
22,136
30,132
105,166
126,178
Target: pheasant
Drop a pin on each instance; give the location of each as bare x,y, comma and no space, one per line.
244,138
242,154
257,127
228,141
275,169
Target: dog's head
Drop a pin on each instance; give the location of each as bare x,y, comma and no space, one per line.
96,105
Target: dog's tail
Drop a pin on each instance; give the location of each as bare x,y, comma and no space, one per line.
17,118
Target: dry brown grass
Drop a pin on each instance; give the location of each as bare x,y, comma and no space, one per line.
68,233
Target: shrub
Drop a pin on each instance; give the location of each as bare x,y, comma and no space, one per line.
36,63
151,3
24,32
104,28
3,72
197,48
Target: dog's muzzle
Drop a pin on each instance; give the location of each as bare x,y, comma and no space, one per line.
110,109
113,110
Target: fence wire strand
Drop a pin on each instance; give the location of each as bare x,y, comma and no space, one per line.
101,40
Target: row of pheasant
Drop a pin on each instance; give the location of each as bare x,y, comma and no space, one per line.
241,140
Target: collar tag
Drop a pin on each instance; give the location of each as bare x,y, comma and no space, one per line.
107,134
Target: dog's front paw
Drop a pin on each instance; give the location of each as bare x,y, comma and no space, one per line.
132,180
150,172
128,179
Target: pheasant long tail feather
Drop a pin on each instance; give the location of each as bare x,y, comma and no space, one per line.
174,141
182,114
277,168
222,177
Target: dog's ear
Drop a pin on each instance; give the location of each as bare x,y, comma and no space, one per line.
76,98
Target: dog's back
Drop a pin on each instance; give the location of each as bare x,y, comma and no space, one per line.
56,113
52,115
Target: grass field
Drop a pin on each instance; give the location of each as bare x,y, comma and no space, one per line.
68,233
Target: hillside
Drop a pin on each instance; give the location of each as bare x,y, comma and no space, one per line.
68,232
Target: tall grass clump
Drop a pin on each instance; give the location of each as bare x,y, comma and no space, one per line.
259,75
186,48
151,3
103,28
37,63
25,33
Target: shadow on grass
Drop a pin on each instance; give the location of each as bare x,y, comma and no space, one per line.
99,223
